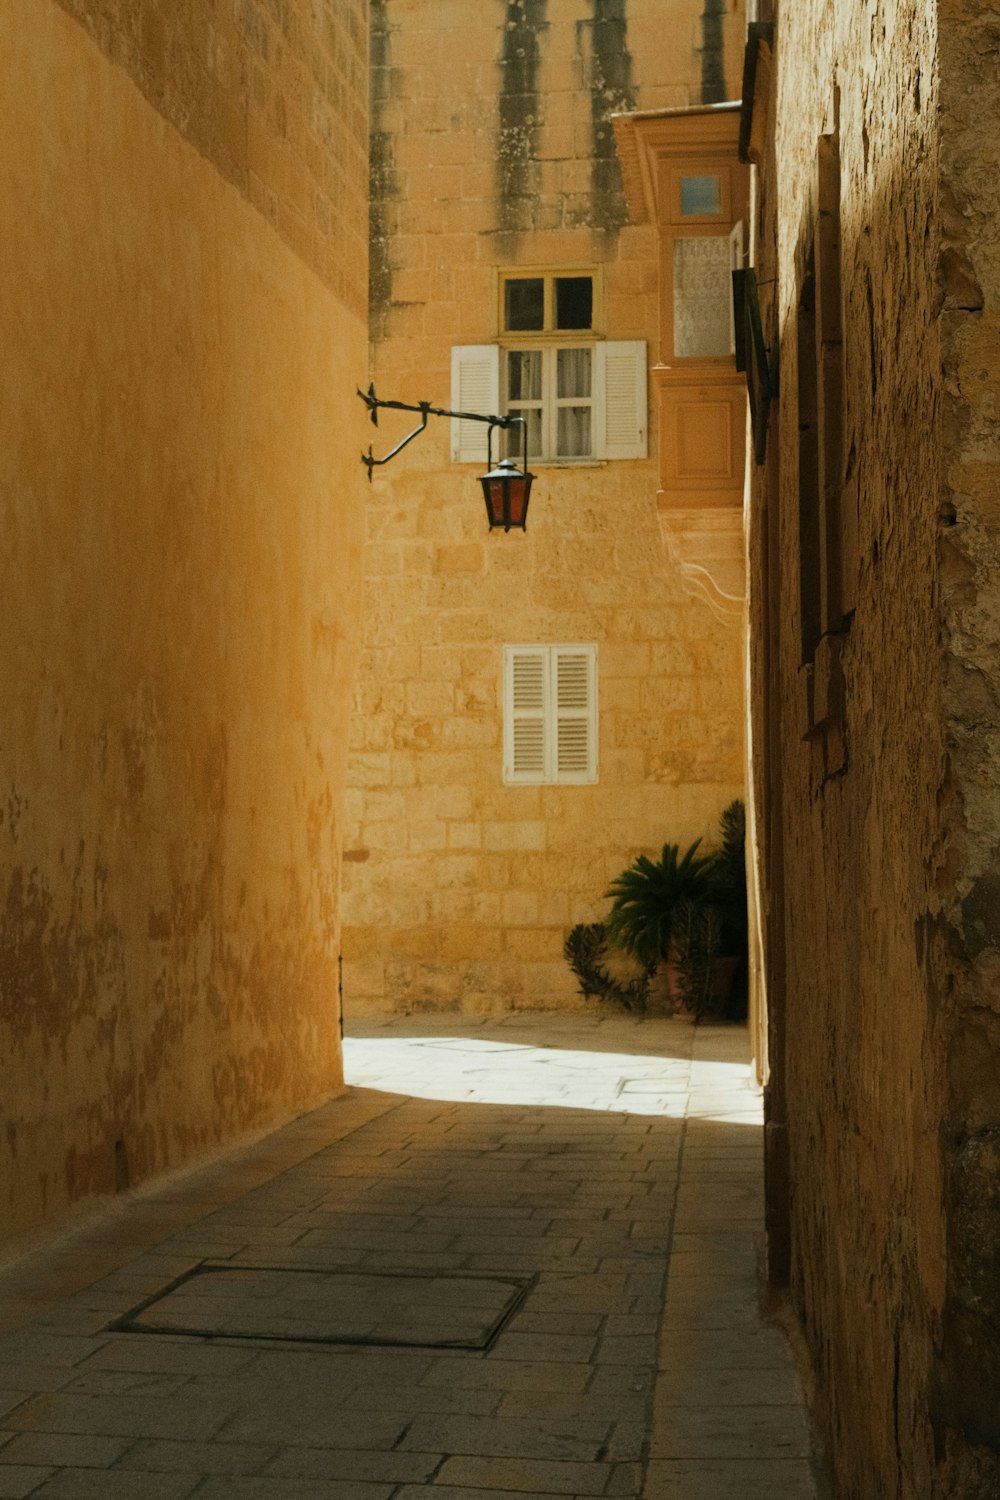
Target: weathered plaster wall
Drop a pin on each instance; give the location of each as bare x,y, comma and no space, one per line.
879,827
181,539
494,150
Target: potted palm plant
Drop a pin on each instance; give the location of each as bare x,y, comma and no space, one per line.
710,929
645,899
683,911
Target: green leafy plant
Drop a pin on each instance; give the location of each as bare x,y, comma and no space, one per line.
690,909
644,899
710,942
585,950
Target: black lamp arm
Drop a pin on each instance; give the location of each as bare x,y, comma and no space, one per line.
375,404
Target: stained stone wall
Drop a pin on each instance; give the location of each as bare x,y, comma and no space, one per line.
492,148
875,602
182,289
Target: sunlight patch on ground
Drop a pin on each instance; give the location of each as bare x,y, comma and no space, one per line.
476,1070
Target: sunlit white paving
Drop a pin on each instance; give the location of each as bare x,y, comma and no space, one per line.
517,1257
530,1073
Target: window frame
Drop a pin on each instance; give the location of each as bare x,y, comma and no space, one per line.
549,333
550,401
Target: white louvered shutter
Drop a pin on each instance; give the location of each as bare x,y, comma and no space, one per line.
526,704
550,714
574,669
620,369
475,386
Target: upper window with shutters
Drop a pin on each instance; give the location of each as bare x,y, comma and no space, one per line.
582,396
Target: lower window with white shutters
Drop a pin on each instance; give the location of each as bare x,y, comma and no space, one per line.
550,714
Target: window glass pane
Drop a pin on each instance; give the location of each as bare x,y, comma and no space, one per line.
573,432
524,375
573,372
574,301
534,416
701,195
702,296
512,438
524,303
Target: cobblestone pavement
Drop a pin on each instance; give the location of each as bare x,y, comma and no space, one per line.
545,1229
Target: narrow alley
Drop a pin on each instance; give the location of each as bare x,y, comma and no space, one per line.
517,1256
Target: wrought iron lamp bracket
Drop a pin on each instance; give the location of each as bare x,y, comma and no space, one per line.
375,404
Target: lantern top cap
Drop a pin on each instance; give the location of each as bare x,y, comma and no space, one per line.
506,467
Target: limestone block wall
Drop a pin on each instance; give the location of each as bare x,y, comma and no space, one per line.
492,149
181,535
965,948
876,731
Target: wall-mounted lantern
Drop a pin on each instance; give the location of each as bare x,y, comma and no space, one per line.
506,487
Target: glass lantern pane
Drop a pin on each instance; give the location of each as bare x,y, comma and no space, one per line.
573,373
702,296
524,304
573,432
700,195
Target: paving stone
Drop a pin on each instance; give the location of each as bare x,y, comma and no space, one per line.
150,1355
625,1479
562,1404
335,1371
207,1458
409,1400
635,1350
547,1477
17,1482
46,1349
123,1382
737,1310
123,1416
63,1450
315,1421
510,1375
715,1479
380,1468
730,1432
622,1325
460,1492
723,1349
27,1380
272,1488
105,1484
507,1437
544,1347
616,1380
528,1320
726,1387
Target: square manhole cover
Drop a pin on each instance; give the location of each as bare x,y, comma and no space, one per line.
331,1307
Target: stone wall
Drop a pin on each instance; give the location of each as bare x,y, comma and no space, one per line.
274,94
874,607
964,956
182,534
492,148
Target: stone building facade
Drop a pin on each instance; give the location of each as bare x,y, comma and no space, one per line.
495,182
875,601
182,287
